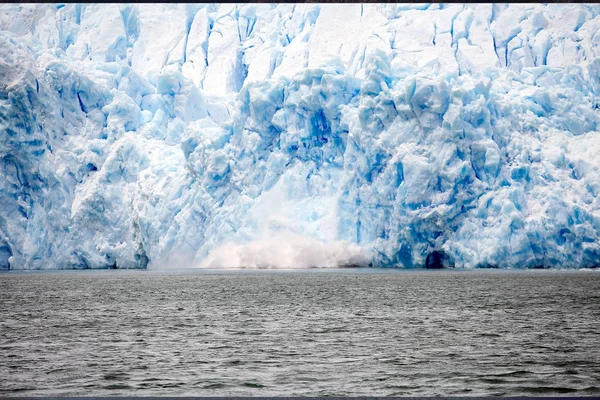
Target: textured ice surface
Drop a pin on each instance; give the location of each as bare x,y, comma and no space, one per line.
153,135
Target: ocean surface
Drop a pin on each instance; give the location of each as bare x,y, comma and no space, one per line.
300,332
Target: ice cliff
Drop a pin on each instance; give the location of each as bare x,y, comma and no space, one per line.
150,135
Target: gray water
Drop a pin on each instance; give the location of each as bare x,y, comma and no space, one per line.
305,333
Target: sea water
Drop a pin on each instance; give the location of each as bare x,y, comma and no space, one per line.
300,332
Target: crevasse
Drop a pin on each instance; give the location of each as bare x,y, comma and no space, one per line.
149,135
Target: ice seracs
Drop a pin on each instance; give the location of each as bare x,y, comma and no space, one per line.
299,135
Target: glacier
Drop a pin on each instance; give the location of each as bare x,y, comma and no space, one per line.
299,135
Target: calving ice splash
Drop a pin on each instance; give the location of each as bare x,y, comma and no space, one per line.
405,135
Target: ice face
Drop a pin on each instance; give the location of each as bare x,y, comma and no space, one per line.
263,135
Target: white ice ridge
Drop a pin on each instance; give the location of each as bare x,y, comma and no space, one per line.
149,135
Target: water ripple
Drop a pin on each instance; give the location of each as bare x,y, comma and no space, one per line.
305,333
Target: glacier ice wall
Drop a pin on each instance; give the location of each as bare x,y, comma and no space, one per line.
151,135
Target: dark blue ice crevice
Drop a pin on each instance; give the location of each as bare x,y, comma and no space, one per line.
452,26
492,16
132,28
141,259
205,44
495,47
402,257
81,105
361,60
250,27
78,11
249,23
505,43
313,15
81,261
66,35
5,254
118,49
241,70
454,41
399,173
188,26
276,60
130,22
237,23
468,24
545,51
392,43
